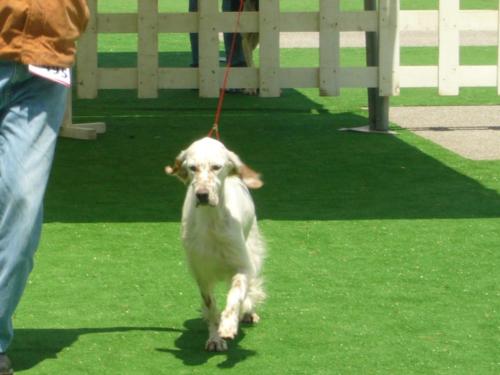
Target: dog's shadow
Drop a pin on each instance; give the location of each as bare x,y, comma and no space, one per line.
191,346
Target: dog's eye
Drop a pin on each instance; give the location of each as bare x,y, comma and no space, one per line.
216,167
193,168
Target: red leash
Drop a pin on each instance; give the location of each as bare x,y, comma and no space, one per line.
222,93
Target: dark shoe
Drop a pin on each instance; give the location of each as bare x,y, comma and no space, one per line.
5,365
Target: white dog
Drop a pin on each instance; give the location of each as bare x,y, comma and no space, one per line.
220,234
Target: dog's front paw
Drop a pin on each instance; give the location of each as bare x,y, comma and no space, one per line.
228,329
216,344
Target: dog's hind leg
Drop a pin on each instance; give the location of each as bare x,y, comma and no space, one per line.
230,317
215,343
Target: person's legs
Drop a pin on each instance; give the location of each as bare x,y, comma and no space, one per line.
193,37
31,112
238,56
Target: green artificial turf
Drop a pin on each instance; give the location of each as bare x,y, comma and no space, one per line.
382,250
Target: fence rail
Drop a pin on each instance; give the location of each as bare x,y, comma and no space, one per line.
388,77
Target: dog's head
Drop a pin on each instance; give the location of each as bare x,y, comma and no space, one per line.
205,165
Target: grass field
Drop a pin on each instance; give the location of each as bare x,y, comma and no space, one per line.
383,251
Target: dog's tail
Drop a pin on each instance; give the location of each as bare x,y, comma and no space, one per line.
256,291
257,249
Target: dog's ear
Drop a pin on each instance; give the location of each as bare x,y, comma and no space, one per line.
178,169
247,174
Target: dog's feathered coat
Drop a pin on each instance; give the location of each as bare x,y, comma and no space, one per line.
220,234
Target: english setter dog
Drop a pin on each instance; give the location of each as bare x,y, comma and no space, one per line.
220,235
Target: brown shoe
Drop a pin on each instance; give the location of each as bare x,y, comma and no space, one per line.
5,365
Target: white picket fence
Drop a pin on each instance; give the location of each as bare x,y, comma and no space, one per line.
449,75
269,77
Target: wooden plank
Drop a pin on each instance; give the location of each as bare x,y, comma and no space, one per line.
374,101
478,20
178,78
378,106
86,66
182,78
78,131
147,54
309,21
178,22
449,47
468,76
68,113
329,47
410,20
208,48
269,48
419,20
359,21
117,23
298,21
242,78
299,77
389,47
477,76
468,20
175,78
249,22
419,76
117,78
498,42
355,77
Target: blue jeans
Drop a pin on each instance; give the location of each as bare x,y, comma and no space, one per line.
31,112
238,57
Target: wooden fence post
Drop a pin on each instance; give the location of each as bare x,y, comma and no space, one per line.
86,66
329,47
269,16
208,37
147,49
388,48
449,46
87,72
378,106
498,59
87,131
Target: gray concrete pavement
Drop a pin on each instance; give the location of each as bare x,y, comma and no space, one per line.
472,132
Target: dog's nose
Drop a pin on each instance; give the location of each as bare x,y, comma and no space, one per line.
202,196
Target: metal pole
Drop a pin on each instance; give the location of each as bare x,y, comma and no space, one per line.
378,106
